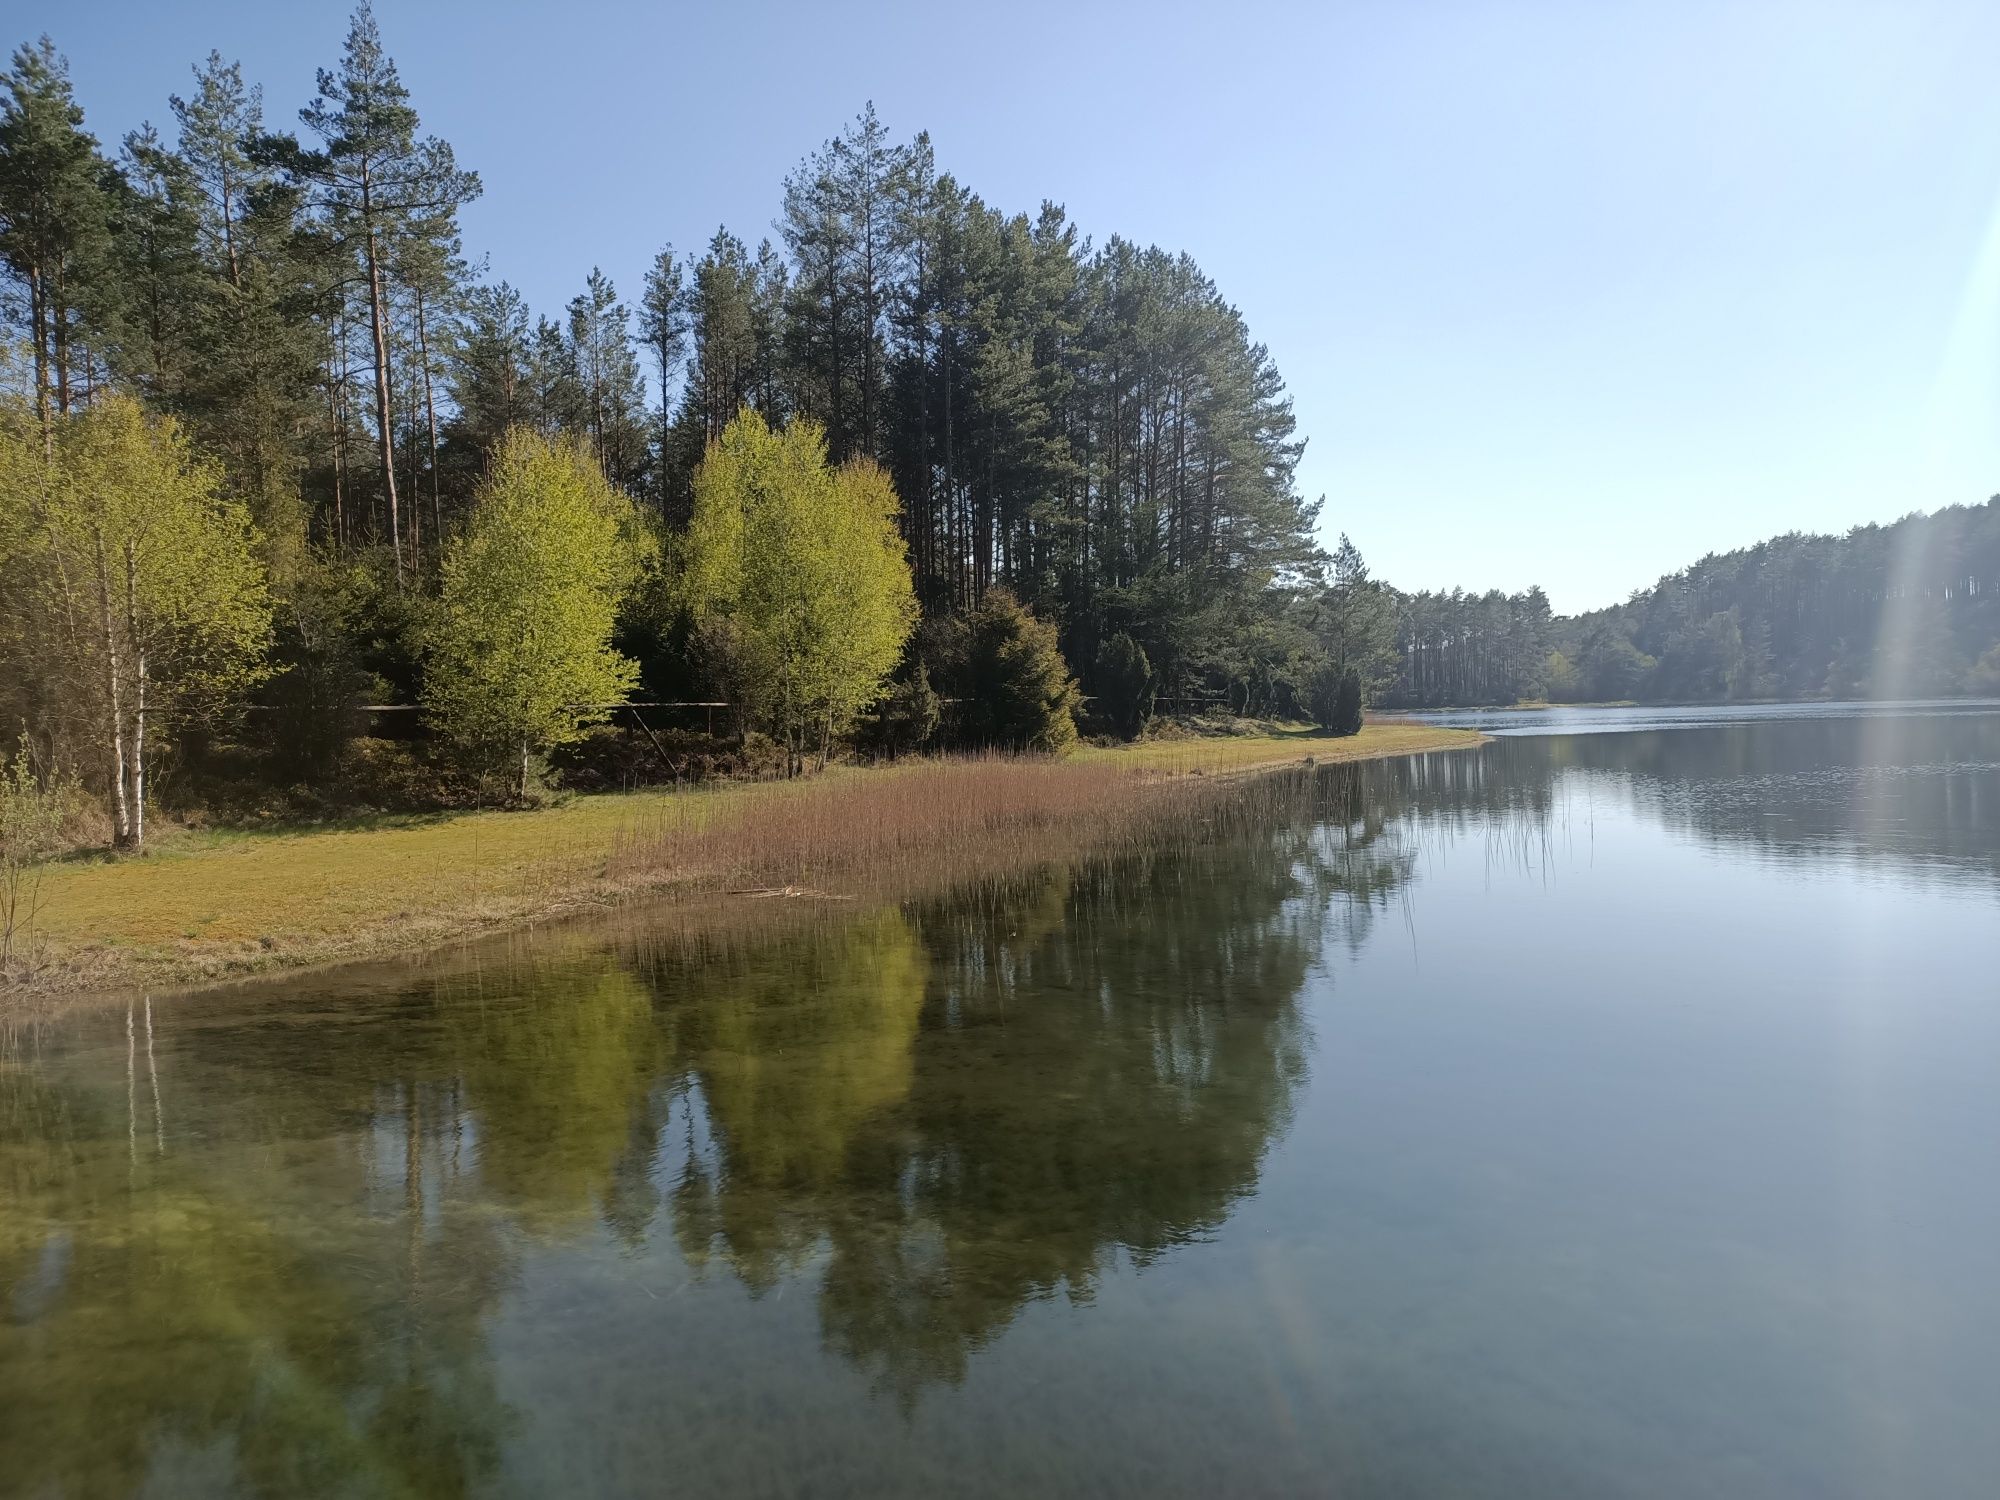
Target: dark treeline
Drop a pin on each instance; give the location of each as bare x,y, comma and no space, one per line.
1454,648
1909,610
1090,425
1906,610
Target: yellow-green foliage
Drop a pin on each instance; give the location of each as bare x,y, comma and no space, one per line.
128,504
798,572
134,591
520,649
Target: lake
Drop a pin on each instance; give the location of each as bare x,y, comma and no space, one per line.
1591,1114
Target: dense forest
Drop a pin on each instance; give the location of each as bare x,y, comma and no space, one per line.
1909,610
1090,425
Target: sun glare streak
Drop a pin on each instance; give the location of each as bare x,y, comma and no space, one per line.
1952,466
1876,1308
1956,441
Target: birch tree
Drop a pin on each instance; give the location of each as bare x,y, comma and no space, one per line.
801,569
146,583
519,656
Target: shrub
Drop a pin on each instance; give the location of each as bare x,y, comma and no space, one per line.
1125,684
1347,704
1333,697
906,719
1323,693
32,814
1008,673
316,699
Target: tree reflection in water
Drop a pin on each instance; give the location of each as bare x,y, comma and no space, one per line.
259,1245
308,1238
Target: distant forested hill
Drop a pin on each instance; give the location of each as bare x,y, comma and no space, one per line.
1906,610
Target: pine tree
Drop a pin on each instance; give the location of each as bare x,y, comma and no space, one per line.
819,317
721,320
54,225
491,383
866,180
1006,669
610,388
167,304
663,329
375,181
429,269
219,128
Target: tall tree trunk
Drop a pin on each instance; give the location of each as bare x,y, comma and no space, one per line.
431,420
135,763
337,398
955,581
229,232
59,340
416,505
38,317
868,315
836,438
121,819
385,438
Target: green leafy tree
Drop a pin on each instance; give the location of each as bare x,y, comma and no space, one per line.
1125,684
1561,676
796,573
519,656
147,586
1612,668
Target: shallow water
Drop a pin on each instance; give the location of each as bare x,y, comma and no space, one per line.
1586,1115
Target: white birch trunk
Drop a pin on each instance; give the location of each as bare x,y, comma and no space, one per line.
121,819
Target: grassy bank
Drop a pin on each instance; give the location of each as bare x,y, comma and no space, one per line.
231,903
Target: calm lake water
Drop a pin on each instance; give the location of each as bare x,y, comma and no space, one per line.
1591,1114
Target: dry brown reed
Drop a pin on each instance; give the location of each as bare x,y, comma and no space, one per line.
931,824
251,905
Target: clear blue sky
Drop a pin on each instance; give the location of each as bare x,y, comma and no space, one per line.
1567,293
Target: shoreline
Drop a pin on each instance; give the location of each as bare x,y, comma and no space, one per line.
239,906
